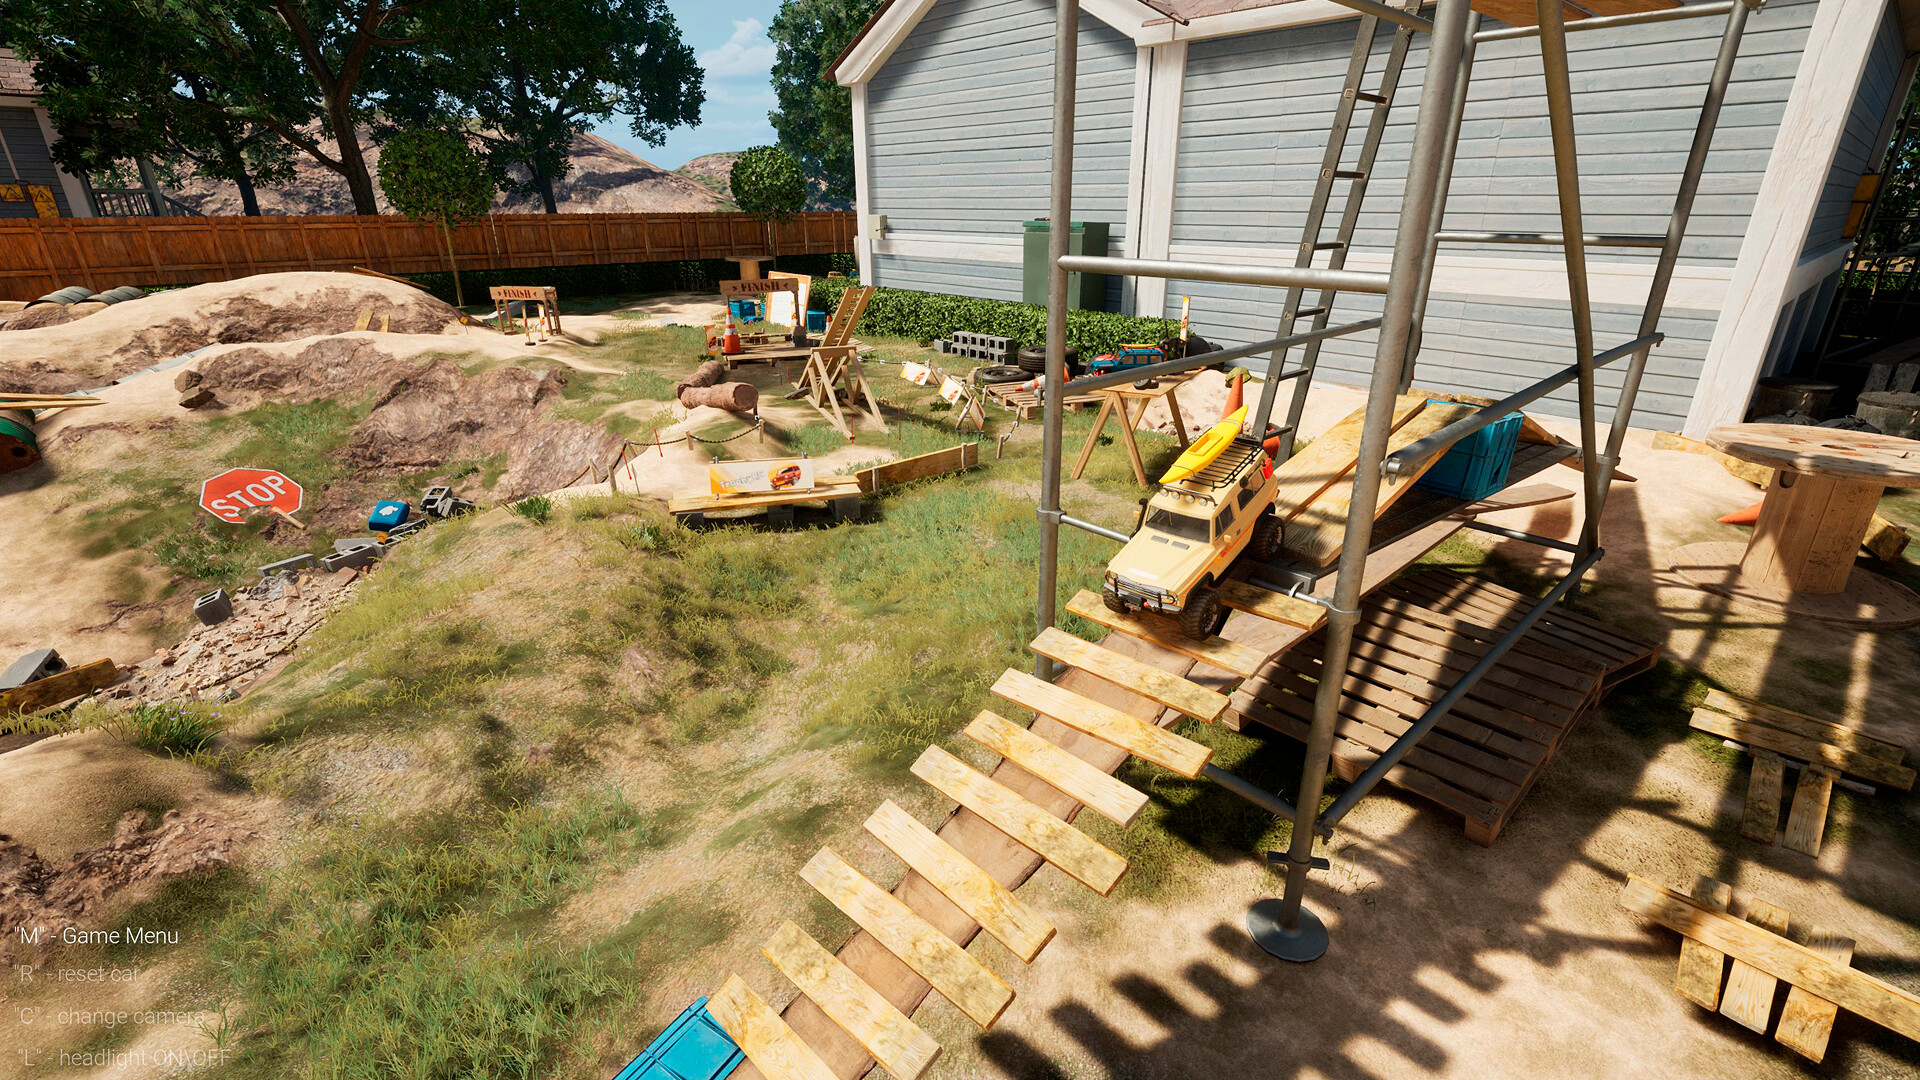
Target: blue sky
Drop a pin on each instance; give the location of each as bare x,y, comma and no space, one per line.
731,41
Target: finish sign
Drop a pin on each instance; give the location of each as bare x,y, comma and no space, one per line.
231,494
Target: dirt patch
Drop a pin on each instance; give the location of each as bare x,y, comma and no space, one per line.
136,334
41,315
34,895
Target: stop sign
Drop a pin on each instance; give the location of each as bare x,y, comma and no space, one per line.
231,494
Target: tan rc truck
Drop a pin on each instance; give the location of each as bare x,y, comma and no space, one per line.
1192,530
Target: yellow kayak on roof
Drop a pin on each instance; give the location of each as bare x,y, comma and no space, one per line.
1208,446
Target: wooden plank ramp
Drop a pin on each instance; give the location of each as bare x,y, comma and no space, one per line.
896,1042
1083,859
1483,757
1170,690
1097,791
1011,922
1129,733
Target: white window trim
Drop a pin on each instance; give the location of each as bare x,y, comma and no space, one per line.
1838,46
863,238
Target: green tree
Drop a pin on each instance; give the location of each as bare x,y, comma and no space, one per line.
766,182
527,74
167,94
815,116
436,178
307,71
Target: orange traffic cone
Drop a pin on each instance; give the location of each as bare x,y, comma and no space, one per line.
1236,396
732,344
1745,516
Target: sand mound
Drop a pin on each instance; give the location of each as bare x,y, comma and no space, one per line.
428,413
34,895
136,334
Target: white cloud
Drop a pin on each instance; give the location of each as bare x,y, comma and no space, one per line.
747,52
724,97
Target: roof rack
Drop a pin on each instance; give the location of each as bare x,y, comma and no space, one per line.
1221,471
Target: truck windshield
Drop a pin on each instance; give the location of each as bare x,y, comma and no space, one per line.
1167,521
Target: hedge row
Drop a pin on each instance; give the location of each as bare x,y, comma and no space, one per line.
926,316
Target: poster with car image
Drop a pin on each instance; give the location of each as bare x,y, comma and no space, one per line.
760,477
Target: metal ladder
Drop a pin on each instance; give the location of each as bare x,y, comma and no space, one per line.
1378,101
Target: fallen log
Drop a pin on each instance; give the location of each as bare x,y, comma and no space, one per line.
54,689
733,397
706,374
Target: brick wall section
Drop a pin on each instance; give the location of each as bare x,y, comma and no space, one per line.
16,75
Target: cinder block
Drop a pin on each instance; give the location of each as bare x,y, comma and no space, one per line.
353,542
214,607
298,562
37,664
409,527
365,555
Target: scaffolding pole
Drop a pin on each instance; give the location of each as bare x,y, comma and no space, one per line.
1066,45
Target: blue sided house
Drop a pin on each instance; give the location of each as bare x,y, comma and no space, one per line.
1200,127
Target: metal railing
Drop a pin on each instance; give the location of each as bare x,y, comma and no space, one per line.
1289,929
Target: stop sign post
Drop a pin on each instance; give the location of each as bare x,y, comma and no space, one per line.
231,494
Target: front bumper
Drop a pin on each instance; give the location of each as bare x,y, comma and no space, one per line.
1136,597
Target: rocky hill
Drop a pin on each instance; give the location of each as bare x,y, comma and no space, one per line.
713,171
605,179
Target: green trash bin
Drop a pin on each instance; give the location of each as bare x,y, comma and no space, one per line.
1085,291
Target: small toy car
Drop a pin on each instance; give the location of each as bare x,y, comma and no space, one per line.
785,478
1128,356
1191,532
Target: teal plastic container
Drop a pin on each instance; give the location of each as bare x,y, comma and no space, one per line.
692,1048
1477,465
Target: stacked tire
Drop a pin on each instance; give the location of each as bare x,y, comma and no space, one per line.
1033,360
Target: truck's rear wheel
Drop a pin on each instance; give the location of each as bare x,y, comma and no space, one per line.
1203,614
1265,543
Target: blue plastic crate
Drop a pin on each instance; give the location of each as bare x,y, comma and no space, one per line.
744,310
1477,465
817,321
692,1048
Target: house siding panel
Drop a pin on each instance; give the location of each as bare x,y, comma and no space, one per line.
1248,157
31,163
961,121
1870,104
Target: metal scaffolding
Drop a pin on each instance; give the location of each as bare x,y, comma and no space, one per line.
1285,927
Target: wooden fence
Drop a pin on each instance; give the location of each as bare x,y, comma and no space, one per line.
38,256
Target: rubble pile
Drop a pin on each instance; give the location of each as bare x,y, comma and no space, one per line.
222,660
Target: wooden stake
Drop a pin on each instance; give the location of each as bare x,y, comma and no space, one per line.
291,520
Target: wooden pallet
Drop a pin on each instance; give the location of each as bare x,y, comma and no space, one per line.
1025,404
1819,974
1779,739
1482,758
1622,655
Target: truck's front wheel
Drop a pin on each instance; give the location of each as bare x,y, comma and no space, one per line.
1203,614
1112,600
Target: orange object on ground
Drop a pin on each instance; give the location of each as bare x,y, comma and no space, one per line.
1746,516
1236,396
732,344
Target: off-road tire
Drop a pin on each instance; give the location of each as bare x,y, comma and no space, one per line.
999,373
1109,598
1203,614
1265,543
1033,360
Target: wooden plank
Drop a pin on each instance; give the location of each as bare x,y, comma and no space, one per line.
1318,533
1230,655
1748,1000
1808,818
825,489
765,1038
1104,722
896,1042
1329,458
1806,1023
1279,607
1855,991
1794,746
1701,965
1011,922
932,955
1066,847
1516,498
1810,727
1150,682
919,467
54,689
1091,787
1760,819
